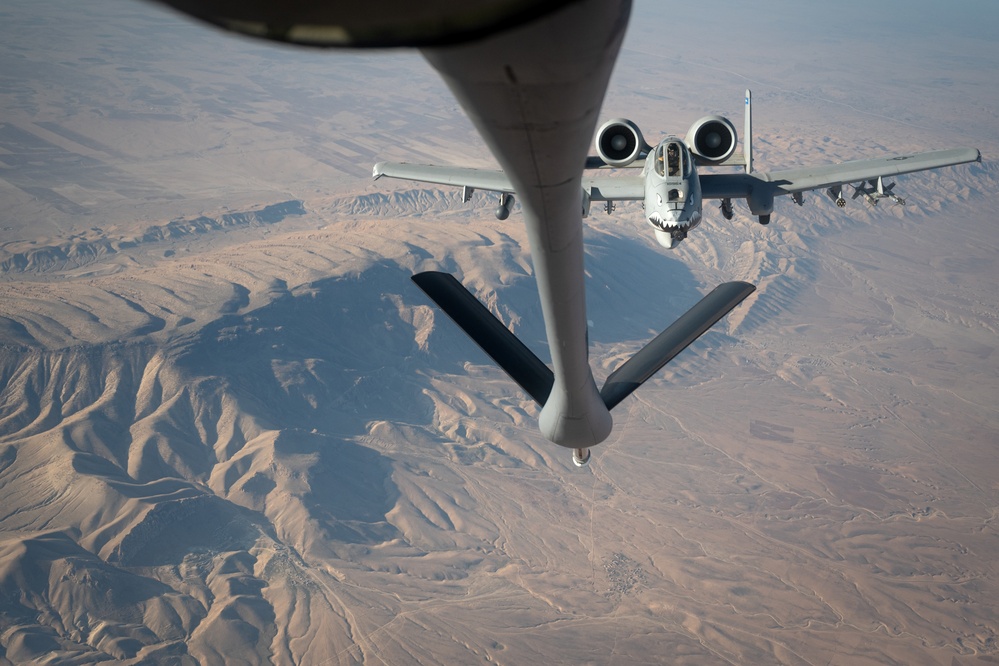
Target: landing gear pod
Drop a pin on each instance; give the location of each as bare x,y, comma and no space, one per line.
503,210
712,139
620,142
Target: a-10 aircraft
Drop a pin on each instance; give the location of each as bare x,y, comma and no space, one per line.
574,413
673,190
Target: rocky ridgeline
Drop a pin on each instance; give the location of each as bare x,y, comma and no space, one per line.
80,251
404,203
161,490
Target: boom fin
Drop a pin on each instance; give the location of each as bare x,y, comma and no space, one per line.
665,346
536,378
495,339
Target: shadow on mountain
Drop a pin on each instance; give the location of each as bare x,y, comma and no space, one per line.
330,356
315,367
634,289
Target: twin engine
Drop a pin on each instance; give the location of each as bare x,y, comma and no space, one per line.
712,140
620,142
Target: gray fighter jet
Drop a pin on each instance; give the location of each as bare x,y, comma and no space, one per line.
574,413
531,75
670,186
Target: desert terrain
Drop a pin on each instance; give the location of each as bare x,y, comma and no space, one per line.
233,431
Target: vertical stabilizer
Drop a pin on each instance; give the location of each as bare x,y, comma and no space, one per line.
747,134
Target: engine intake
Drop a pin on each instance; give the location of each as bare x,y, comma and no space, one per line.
620,142
712,139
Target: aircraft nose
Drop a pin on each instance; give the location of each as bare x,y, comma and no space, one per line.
665,219
666,239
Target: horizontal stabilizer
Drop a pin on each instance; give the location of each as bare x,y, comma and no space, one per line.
653,356
489,333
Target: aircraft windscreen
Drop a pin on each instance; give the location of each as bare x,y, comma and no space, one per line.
669,159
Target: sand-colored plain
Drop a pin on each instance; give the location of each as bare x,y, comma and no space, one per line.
232,431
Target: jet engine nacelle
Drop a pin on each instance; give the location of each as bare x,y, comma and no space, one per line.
712,139
620,142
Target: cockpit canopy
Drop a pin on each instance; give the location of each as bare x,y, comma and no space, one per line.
672,159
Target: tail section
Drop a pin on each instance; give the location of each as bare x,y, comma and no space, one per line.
747,135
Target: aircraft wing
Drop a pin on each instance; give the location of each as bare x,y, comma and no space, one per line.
601,188
801,179
615,188
479,179
812,178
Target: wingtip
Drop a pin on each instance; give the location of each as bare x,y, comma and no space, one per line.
378,170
